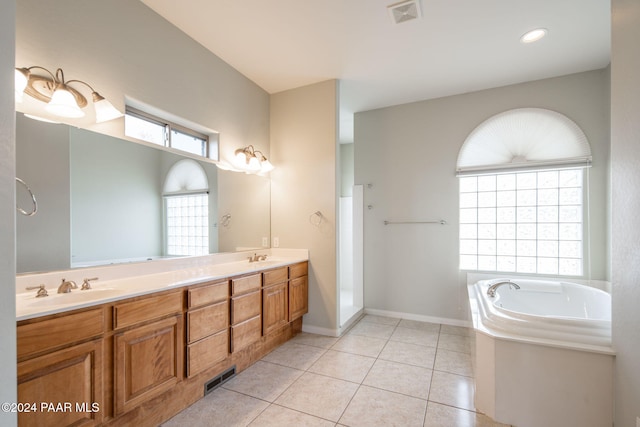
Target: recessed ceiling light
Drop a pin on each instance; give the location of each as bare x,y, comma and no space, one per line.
533,35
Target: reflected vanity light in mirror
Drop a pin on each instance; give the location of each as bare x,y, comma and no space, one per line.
62,99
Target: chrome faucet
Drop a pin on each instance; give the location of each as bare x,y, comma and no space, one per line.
86,285
257,257
42,292
492,289
66,286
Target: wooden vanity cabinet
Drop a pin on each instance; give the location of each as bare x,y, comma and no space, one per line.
207,326
140,360
148,340
275,299
60,359
298,290
246,311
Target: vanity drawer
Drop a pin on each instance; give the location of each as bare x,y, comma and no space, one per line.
245,307
142,310
207,352
298,270
208,294
207,320
60,331
275,276
245,333
246,284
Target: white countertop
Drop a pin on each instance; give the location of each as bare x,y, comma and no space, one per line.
114,288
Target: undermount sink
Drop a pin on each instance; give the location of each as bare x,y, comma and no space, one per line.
265,263
76,297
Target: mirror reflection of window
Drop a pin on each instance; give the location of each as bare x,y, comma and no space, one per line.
187,224
186,209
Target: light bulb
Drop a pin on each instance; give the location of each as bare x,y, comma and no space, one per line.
266,166
105,111
63,104
254,164
533,35
240,159
21,80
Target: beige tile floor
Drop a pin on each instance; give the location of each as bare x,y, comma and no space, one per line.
382,372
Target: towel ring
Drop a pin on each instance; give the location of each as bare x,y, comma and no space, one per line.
316,218
225,220
33,199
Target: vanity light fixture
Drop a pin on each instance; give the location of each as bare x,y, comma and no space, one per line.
251,160
62,99
533,35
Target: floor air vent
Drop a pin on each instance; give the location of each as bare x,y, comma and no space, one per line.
213,383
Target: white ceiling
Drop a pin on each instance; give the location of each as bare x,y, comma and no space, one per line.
457,46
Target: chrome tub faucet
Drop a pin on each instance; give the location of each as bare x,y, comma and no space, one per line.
493,288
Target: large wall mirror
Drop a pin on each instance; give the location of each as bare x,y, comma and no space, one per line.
100,200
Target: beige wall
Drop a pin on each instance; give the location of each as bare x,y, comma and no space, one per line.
409,152
247,198
625,240
304,146
7,214
124,49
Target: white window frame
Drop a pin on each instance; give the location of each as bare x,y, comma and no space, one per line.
514,227
210,144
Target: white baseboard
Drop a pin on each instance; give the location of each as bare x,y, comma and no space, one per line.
418,317
395,314
320,331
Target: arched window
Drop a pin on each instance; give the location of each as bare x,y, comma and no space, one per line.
186,209
521,194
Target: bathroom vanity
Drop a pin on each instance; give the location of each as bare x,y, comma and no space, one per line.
141,359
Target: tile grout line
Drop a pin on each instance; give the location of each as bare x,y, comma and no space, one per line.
304,371
323,350
368,371
433,368
361,383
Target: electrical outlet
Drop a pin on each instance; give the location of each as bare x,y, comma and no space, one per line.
276,242
265,242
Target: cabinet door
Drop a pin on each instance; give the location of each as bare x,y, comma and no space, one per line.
275,307
298,297
148,361
71,377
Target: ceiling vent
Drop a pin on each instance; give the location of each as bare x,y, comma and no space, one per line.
404,11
